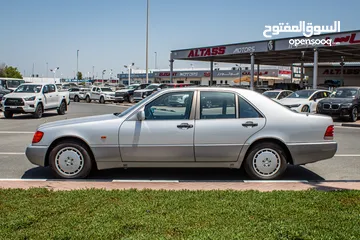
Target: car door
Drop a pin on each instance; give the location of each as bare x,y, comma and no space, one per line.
96,94
224,121
166,134
54,96
47,101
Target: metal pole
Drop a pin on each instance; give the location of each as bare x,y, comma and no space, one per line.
147,42
315,71
342,73
129,75
93,73
77,65
33,70
211,72
258,75
252,56
47,70
302,74
171,70
155,60
292,73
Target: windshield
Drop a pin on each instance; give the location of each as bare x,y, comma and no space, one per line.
106,89
345,93
14,83
271,94
131,87
152,86
301,94
28,89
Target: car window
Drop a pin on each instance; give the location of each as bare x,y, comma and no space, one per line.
51,88
98,89
246,110
46,88
282,95
217,105
94,89
170,106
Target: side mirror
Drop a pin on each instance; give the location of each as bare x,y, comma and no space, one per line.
45,91
141,115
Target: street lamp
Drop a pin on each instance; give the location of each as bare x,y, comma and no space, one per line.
103,72
77,65
240,70
129,69
54,71
155,60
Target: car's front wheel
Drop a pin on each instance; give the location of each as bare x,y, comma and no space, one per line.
62,108
70,160
305,108
76,99
8,114
88,100
102,100
265,161
130,99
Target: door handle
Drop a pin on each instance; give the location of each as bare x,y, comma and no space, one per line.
249,124
185,125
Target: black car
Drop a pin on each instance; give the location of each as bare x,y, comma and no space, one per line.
127,94
345,102
3,92
141,94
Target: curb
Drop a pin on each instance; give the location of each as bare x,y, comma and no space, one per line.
355,125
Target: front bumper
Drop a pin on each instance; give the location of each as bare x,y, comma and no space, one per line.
303,153
29,107
335,112
36,154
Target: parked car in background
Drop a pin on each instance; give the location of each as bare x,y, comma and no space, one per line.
144,93
11,83
35,98
287,86
3,92
127,94
245,130
304,100
177,85
101,94
345,102
277,94
78,94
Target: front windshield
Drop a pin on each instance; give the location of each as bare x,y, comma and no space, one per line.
132,87
271,94
28,89
152,86
106,89
14,83
345,93
301,94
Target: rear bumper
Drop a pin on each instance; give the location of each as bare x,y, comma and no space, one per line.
36,154
303,153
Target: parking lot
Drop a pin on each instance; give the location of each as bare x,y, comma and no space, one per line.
17,133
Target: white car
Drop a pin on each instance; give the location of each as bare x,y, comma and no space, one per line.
277,94
35,98
304,100
101,94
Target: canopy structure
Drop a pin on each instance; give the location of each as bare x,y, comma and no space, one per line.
334,47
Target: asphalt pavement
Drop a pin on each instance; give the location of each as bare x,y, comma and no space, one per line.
17,133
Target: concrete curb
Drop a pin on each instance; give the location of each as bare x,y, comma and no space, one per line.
262,186
355,125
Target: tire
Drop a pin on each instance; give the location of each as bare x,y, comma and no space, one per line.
354,114
70,160
102,100
76,99
88,100
62,108
130,99
38,111
305,108
265,161
8,114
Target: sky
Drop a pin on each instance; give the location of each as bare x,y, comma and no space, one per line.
111,33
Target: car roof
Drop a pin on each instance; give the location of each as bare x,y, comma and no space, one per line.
42,84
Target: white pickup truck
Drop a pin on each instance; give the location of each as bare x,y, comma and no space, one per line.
101,94
35,98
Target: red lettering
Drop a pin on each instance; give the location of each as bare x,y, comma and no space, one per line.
342,39
214,51
338,71
197,53
222,50
326,71
202,50
191,54
207,53
352,39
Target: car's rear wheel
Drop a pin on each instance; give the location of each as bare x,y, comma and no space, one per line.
265,161
38,111
305,108
76,99
131,99
70,160
354,114
8,114
87,99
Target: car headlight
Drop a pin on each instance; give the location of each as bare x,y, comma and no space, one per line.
346,105
30,98
3,99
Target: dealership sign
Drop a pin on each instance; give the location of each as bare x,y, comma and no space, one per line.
135,75
337,71
217,74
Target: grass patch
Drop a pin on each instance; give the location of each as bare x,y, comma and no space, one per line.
134,214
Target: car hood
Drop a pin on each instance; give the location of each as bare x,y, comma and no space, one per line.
337,100
78,121
144,90
124,90
20,95
109,93
291,101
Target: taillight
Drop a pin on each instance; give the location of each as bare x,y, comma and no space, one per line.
37,137
329,133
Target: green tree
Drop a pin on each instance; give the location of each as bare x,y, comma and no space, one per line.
9,72
79,75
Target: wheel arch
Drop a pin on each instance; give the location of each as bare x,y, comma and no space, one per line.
70,138
275,140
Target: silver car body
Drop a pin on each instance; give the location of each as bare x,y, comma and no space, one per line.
124,141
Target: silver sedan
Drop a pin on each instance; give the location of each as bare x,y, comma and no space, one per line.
239,128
